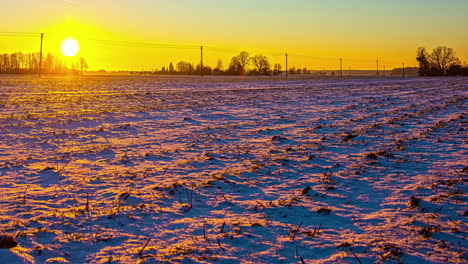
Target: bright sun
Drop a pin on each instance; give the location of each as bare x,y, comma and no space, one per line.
70,47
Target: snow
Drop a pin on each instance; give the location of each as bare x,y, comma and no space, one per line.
229,170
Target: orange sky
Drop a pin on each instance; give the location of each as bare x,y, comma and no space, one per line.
359,31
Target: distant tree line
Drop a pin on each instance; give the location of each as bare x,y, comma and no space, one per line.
29,63
241,64
442,61
408,71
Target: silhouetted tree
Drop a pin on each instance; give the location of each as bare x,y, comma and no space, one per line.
171,68
83,65
21,61
244,59
239,63
235,66
29,63
277,69
261,64
455,70
423,59
48,63
184,67
14,63
438,62
5,63
219,65
206,70
442,58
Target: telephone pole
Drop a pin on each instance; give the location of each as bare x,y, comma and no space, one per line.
377,67
384,70
287,71
341,67
403,70
40,55
201,61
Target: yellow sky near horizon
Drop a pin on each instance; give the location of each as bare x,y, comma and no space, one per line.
323,31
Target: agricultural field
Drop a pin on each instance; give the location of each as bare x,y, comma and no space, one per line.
233,170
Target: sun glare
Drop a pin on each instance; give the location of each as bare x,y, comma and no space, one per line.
70,47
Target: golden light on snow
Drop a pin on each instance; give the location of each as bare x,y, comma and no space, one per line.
70,47
188,175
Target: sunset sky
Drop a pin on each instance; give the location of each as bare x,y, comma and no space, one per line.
360,31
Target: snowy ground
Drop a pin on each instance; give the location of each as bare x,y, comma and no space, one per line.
165,170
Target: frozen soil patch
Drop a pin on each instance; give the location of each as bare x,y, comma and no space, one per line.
163,170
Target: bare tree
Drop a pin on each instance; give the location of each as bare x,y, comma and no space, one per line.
219,65
244,59
239,63
423,59
442,58
171,67
49,63
14,63
277,69
234,65
261,63
83,65
184,67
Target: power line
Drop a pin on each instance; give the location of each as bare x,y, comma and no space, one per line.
222,49
225,50
21,33
140,44
311,57
133,44
174,46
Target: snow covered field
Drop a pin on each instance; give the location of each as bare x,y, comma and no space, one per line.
230,170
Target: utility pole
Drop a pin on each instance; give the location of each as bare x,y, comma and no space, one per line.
377,67
403,70
341,67
40,55
384,70
287,70
201,61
